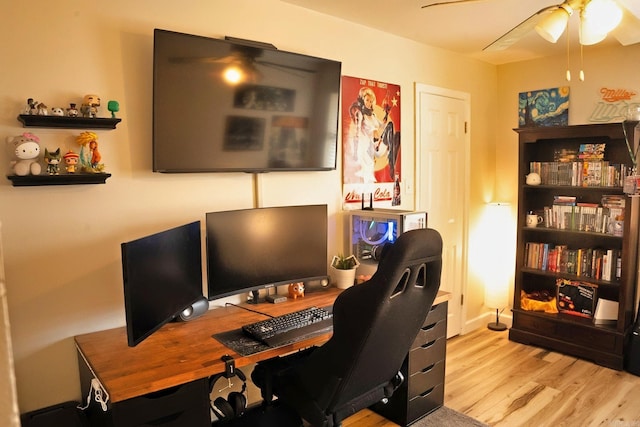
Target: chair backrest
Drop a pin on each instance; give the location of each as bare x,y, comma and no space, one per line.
375,323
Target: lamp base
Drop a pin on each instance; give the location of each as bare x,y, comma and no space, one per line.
497,326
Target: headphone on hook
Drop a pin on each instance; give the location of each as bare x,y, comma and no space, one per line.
235,403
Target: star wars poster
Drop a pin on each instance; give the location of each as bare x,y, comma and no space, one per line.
370,143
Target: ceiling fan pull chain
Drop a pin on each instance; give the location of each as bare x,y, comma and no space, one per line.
568,61
581,63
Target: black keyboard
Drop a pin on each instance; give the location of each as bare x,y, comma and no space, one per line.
291,327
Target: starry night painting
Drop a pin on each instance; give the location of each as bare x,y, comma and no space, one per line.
545,107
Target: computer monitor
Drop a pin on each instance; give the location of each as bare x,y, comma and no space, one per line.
162,275
252,249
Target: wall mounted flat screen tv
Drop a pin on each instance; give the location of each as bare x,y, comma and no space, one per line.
282,114
252,249
162,275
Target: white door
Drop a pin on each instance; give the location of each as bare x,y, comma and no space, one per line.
442,183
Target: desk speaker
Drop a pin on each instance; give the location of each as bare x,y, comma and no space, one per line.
195,310
316,285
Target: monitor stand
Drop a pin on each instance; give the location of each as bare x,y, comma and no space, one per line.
255,297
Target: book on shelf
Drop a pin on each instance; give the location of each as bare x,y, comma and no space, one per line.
593,263
584,173
591,151
589,217
565,155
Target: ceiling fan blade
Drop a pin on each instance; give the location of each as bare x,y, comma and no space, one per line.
520,30
442,3
628,31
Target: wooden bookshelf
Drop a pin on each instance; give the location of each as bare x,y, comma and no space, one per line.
569,333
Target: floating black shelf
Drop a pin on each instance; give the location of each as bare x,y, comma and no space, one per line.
29,120
67,179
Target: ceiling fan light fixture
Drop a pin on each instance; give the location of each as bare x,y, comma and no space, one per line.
589,32
603,15
552,27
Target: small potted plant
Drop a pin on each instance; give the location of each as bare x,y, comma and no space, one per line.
344,270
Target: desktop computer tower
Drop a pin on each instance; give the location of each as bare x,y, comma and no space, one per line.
371,229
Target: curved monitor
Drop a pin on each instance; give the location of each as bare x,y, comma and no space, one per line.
260,248
162,275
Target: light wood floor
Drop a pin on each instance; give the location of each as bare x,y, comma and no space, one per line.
503,383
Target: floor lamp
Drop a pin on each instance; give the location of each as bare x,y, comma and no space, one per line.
496,289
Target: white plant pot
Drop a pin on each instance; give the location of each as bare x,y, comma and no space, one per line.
344,278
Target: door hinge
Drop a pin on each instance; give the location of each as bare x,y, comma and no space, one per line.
465,127
461,299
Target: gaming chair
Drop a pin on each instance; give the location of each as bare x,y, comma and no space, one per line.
374,326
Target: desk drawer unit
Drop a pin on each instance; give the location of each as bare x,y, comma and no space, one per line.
180,406
424,367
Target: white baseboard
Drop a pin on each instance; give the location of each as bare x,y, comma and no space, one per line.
484,319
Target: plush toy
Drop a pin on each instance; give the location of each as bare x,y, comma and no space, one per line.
26,149
296,290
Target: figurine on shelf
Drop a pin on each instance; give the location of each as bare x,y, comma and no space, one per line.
114,107
90,106
57,111
26,149
31,107
72,111
71,160
52,158
89,155
42,109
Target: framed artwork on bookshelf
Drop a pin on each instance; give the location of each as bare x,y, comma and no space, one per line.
544,107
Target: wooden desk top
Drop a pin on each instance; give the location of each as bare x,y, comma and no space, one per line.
181,352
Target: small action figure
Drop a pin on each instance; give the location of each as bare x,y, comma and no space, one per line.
57,111
89,155
114,107
52,158
71,160
42,109
72,111
31,107
90,106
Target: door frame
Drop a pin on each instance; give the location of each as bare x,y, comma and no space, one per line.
421,88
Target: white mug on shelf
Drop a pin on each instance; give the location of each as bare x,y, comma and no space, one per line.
533,220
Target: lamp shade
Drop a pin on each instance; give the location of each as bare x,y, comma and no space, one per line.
500,240
552,27
496,294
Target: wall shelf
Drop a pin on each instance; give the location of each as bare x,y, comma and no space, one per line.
67,179
29,120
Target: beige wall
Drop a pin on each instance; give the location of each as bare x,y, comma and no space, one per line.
62,243
604,67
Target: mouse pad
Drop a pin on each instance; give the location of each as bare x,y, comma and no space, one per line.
240,343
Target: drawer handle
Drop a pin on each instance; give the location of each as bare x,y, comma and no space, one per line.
429,344
426,393
429,327
428,368
164,420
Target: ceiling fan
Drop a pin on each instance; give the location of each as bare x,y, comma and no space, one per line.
551,21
